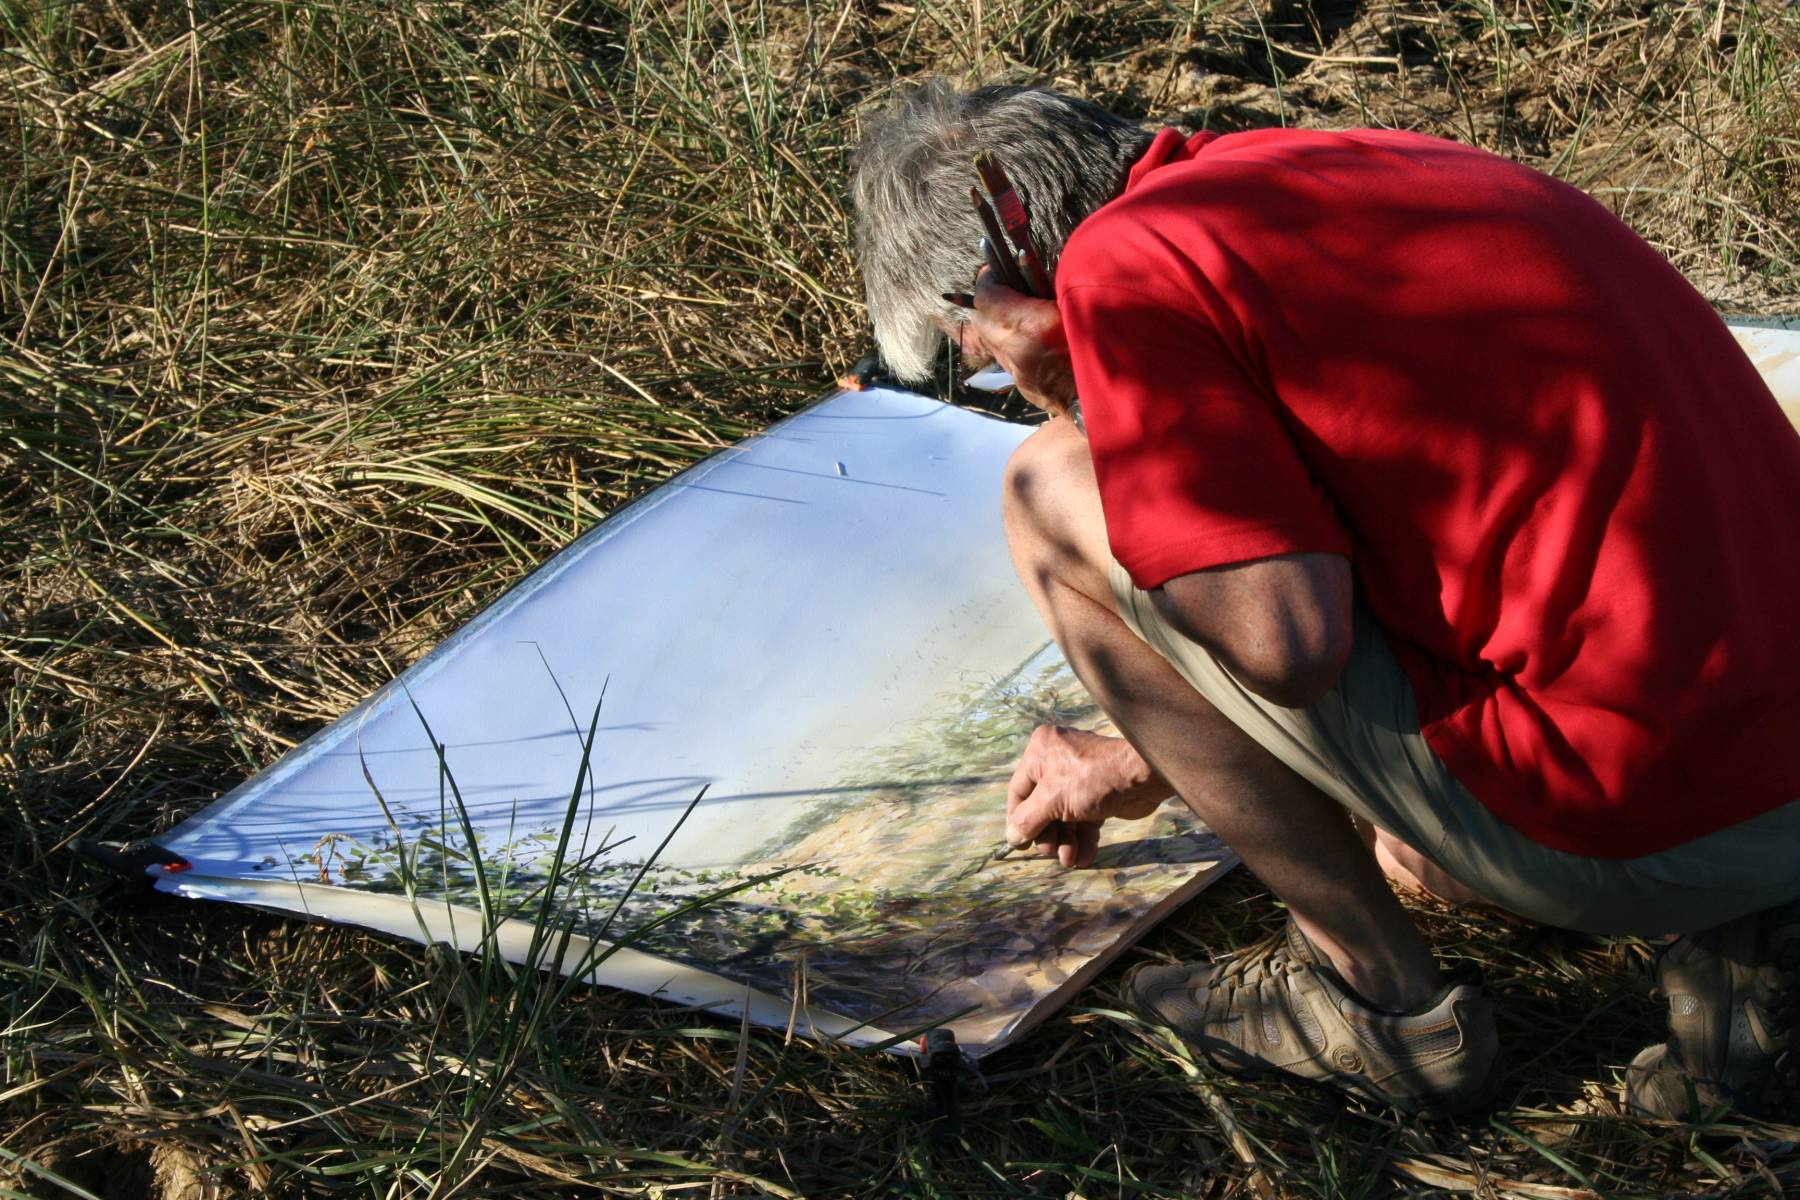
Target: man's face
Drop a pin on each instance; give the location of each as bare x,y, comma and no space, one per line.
1021,334
968,343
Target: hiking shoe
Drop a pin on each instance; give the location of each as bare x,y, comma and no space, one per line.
1279,1006
1734,1006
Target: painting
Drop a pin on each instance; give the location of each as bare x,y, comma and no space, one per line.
748,742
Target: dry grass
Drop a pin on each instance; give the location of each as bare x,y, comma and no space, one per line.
320,322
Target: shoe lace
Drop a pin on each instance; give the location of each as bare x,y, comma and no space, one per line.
1261,959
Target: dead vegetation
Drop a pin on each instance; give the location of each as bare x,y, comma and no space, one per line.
320,322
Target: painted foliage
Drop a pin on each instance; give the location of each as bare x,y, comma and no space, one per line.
889,897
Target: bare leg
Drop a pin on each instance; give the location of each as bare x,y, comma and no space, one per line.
1297,840
1413,872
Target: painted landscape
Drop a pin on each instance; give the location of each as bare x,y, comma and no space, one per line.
889,897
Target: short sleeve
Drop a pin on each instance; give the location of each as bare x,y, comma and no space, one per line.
1195,468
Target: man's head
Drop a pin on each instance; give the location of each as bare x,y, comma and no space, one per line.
917,234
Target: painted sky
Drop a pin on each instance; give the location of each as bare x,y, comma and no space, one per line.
758,622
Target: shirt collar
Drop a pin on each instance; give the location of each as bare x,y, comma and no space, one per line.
1169,146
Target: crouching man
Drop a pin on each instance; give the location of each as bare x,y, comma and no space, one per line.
1421,519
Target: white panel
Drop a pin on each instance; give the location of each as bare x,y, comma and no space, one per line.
821,627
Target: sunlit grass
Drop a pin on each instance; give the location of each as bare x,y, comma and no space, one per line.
322,322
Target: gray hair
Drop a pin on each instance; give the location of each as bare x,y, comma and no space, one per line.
917,234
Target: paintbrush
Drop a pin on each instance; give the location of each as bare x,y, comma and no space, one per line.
1017,224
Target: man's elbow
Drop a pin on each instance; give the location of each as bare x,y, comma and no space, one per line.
1294,668
1281,626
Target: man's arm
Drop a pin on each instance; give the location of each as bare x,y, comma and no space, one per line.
1281,626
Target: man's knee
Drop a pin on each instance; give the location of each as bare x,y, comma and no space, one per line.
1041,477
1054,524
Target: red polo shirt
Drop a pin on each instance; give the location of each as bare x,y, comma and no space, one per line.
1568,497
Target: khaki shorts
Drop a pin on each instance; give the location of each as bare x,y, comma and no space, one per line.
1361,746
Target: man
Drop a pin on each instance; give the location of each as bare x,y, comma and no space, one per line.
1425,520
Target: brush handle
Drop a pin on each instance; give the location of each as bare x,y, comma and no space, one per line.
1016,222
994,248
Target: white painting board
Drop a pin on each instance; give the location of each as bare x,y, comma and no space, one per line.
821,629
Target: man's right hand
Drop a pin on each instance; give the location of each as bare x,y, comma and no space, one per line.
1024,334
1068,782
